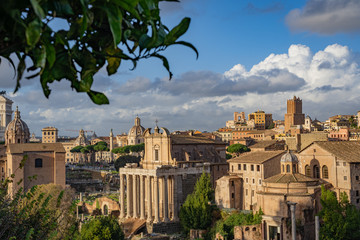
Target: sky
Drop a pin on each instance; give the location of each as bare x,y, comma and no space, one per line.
253,55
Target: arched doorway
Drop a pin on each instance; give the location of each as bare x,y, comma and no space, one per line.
106,210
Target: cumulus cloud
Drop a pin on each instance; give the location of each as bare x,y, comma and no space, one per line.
327,81
326,17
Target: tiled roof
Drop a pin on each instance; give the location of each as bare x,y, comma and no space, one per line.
187,139
293,177
35,147
263,144
346,151
256,157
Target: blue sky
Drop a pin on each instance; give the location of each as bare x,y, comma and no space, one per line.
253,55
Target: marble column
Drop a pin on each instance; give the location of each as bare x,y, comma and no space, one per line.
149,201
175,197
156,199
142,198
128,196
135,196
166,199
122,196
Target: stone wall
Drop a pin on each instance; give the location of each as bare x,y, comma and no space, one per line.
250,232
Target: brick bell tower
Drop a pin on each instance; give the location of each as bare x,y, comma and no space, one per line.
294,115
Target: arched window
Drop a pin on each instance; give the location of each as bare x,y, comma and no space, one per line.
106,211
325,172
307,171
316,171
287,168
38,163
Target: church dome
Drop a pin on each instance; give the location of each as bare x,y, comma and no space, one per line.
137,129
17,130
289,157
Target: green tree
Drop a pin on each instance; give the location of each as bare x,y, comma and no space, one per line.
101,228
44,212
340,219
100,33
123,160
100,147
237,149
196,212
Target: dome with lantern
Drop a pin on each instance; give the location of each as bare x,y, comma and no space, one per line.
17,130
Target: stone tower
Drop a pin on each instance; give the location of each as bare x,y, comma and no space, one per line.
111,140
5,115
294,115
17,130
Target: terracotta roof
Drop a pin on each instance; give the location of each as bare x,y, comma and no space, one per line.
256,157
346,151
35,147
291,177
187,139
263,144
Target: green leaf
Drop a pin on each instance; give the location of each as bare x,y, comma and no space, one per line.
188,45
20,71
50,54
37,9
177,31
115,19
32,32
113,62
165,63
98,98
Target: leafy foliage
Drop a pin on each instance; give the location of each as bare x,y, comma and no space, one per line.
101,227
100,33
237,148
226,225
129,148
43,212
196,212
228,156
123,160
340,219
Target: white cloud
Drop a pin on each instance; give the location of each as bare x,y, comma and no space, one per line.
327,81
326,17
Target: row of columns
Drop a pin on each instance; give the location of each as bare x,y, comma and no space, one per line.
141,189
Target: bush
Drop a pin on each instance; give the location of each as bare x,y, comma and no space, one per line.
228,156
101,227
123,160
226,225
237,148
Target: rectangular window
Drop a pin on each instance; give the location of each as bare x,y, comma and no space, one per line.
244,167
337,163
232,195
259,181
247,180
253,180
344,164
252,167
357,178
345,178
38,163
252,193
357,193
156,155
239,166
246,192
232,183
357,200
258,168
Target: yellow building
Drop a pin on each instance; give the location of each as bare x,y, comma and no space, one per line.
49,135
261,119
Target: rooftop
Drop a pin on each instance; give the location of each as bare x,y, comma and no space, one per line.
35,147
347,151
291,177
256,157
187,139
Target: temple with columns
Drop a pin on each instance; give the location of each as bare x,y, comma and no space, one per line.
168,171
